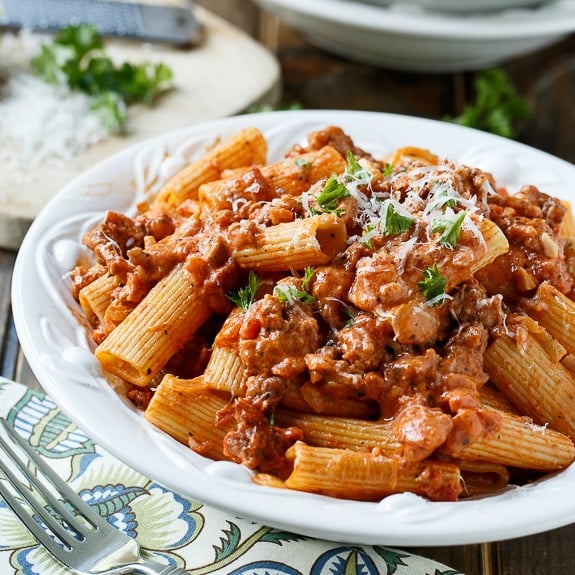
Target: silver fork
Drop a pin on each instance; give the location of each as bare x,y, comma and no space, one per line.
70,530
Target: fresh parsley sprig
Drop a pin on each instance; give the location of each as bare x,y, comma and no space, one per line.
370,229
308,275
332,192
290,293
387,170
353,167
441,198
395,223
245,296
451,228
76,58
497,107
433,285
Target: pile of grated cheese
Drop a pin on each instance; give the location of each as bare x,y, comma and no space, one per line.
39,122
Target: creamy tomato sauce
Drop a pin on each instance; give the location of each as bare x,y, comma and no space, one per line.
393,327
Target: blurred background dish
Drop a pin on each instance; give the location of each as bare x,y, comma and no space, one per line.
462,6
410,38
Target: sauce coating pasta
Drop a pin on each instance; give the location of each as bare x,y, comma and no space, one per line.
343,324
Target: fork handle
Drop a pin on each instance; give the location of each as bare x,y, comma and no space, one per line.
165,570
148,567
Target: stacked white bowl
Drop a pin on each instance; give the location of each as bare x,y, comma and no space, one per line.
428,35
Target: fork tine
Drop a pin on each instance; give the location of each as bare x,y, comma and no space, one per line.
103,549
61,486
64,535
41,535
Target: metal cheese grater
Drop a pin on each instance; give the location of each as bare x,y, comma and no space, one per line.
150,22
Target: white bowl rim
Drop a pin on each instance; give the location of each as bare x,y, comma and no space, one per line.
557,17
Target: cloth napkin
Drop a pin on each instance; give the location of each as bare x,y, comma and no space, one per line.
186,533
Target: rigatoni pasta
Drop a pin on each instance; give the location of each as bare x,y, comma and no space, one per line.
245,148
344,324
165,319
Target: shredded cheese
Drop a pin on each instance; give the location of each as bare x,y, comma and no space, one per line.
431,197
39,122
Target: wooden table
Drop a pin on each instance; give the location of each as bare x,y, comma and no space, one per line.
317,80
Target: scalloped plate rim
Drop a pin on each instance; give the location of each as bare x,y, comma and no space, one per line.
397,520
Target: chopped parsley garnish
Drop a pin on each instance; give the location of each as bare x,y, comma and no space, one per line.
370,229
350,315
308,274
353,166
76,58
302,162
451,228
387,170
332,192
290,294
244,297
497,107
433,284
442,198
396,223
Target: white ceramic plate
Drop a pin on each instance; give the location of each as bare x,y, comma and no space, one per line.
58,350
414,39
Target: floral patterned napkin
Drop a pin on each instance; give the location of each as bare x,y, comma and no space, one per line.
185,533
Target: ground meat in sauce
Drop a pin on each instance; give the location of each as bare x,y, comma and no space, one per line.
377,284
231,193
336,138
530,220
362,343
274,338
111,240
421,430
472,304
256,443
367,336
82,276
462,373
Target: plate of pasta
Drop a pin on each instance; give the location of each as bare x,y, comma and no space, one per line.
350,325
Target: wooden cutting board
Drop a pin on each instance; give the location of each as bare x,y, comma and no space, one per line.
225,74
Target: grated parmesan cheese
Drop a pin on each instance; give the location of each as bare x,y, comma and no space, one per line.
39,122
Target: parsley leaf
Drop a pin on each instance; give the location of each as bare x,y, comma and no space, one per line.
441,198
308,274
370,230
302,162
111,110
451,228
350,315
244,297
332,192
76,58
433,284
396,223
353,166
290,294
387,170
497,107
